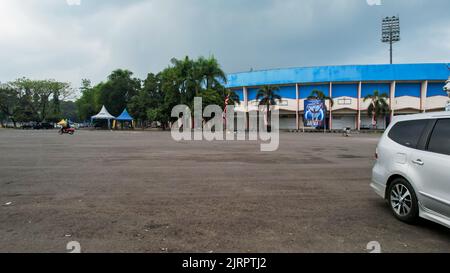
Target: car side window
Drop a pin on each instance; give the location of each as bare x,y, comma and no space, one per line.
440,137
408,133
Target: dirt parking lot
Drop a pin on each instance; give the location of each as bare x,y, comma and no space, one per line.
143,192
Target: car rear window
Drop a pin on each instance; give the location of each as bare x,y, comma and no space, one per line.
440,138
408,133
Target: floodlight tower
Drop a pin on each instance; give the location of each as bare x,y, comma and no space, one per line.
390,31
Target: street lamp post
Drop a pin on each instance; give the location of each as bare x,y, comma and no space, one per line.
390,32
447,89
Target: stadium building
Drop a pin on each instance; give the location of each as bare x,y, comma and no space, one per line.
411,88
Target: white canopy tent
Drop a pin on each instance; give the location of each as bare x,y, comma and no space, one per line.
104,114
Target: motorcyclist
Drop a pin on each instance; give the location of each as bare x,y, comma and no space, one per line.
65,126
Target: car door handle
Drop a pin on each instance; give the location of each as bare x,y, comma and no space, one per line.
418,162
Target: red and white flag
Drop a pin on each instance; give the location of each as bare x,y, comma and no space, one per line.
227,101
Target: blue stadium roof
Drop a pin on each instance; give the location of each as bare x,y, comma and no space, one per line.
346,73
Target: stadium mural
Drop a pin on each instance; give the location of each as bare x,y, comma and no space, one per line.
315,113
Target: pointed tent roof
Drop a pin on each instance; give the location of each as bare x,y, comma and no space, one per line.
104,114
124,116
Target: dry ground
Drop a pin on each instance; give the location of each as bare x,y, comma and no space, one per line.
143,192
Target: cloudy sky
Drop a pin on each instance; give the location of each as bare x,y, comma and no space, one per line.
52,39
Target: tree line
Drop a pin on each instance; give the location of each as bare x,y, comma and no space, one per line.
26,100
152,99
149,100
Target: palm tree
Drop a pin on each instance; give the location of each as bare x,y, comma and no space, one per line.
212,73
319,95
196,76
378,105
268,96
185,75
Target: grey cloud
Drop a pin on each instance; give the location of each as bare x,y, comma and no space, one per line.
48,38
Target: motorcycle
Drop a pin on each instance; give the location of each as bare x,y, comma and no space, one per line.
69,131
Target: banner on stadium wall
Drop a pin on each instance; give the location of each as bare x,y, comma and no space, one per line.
315,113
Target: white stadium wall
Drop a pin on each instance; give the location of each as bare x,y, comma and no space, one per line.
345,108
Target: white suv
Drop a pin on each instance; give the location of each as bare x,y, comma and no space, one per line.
412,171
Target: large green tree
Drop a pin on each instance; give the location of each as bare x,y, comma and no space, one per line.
68,110
9,103
3,118
42,96
33,100
118,90
196,76
169,87
88,104
211,74
148,98
186,75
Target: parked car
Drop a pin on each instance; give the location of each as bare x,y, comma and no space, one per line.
43,126
27,126
99,125
412,170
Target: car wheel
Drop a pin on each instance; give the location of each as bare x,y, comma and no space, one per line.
403,201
